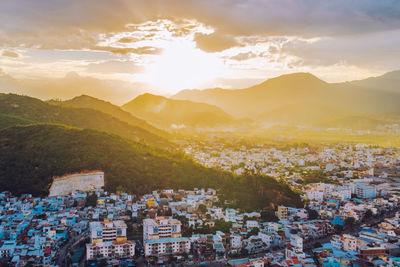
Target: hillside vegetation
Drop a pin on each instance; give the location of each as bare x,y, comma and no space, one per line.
17,110
85,101
31,155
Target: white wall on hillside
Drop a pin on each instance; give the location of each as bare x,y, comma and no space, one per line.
86,181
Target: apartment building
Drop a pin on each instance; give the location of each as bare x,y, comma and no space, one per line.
162,236
161,227
108,239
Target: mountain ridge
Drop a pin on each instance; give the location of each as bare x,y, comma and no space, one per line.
165,112
295,88
33,110
86,101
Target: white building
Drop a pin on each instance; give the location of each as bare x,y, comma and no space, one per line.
108,239
166,246
110,249
230,215
161,227
267,238
315,195
236,241
252,224
365,191
162,236
107,231
297,242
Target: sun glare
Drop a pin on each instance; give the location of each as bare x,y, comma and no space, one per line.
183,66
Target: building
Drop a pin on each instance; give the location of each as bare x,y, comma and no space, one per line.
108,239
315,195
365,191
161,227
110,249
349,242
230,215
283,213
166,246
162,236
107,231
236,241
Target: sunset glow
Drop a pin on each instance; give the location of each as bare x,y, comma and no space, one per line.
182,66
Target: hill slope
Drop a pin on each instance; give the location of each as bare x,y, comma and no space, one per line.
31,155
388,82
28,109
295,89
85,101
165,112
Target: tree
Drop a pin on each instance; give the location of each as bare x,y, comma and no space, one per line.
221,225
91,200
349,221
268,216
368,214
312,214
253,231
244,252
317,245
202,208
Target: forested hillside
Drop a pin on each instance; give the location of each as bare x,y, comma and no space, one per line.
31,155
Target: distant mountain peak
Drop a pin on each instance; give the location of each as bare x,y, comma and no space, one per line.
392,75
72,75
296,77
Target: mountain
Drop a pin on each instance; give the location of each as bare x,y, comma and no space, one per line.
31,155
17,109
304,91
389,82
167,113
70,86
85,101
301,113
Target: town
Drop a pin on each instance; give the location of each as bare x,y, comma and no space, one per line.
350,216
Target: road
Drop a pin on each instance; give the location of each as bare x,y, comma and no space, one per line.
62,253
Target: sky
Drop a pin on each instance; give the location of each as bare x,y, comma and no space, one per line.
168,45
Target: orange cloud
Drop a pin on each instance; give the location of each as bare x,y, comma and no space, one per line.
214,42
8,53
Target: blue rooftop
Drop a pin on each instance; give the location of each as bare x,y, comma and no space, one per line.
238,261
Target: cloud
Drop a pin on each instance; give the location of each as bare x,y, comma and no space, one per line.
281,33
126,40
374,50
8,53
244,56
214,42
146,50
52,24
114,66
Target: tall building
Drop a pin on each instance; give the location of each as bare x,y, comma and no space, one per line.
365,191
283,213
162,236
161,227
108,239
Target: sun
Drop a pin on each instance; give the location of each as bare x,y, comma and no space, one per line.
182,66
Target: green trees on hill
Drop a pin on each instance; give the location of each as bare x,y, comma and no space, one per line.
31,155
19,110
